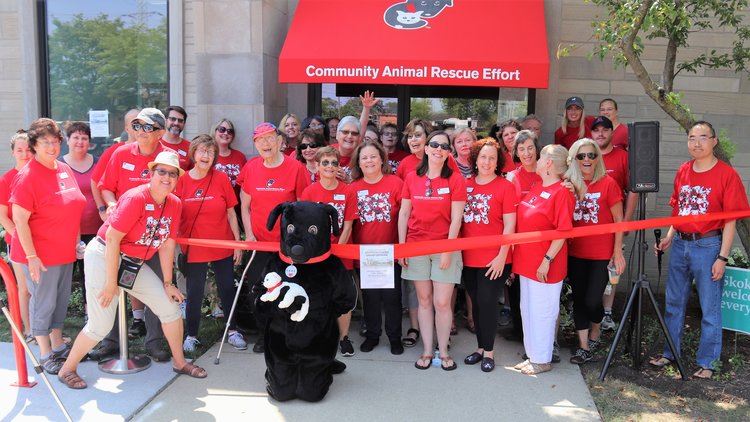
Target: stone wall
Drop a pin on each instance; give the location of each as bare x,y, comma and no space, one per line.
11,81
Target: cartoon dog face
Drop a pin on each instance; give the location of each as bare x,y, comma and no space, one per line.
306,228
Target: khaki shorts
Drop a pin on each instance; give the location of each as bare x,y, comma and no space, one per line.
427,267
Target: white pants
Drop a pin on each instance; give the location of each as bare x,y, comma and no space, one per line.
540,306
148,288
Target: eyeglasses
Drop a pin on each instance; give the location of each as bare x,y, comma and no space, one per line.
590,155
326,163
47,144
205,151
389,134
699,139
222,129
428,188
145,126
303,147
349,132
171,174
436,144
316,126
176,119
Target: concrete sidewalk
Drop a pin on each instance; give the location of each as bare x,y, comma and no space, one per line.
378,386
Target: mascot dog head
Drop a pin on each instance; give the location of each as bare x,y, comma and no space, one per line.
306,229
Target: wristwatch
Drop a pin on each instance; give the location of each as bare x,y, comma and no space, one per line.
102,208
548,258
722,258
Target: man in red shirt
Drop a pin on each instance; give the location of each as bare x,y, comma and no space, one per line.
176,119
702,185
616,163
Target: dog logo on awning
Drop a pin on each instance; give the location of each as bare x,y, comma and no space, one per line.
411,14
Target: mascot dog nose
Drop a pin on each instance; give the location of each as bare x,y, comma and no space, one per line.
297,250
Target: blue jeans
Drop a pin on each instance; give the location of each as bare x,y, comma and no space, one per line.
693,260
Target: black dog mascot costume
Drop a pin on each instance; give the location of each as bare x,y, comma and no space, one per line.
304,290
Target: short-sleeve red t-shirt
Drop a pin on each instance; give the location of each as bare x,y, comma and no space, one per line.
483,216
718,189
204,213
431,199
269,187
56,203
616,163
620,136
127,169
103,162
337,198
395,158
231,165
5,181
182,149
544,208
595,208
90,220
137,215
571,134
376,205
523,181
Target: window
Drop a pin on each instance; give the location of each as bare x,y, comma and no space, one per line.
103,56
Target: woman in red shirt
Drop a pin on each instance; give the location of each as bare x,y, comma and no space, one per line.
291,127
208,202
329,190
599,201
47,207
307,149
490,209
608,107
19,145
431,209
229,161
415,138
575,123
542,266
508,131
143,225
376,196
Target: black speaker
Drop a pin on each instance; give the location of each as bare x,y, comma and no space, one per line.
643,156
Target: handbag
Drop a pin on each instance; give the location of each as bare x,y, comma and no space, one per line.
130,266
182,258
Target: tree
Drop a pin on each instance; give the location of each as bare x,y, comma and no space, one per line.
421,109
483,111
625,24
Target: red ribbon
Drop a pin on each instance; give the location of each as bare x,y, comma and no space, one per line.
406,250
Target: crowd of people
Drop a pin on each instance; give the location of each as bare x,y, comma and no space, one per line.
427,183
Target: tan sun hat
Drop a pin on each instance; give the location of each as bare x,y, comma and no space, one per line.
168,158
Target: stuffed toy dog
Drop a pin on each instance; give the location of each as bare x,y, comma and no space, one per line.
304,291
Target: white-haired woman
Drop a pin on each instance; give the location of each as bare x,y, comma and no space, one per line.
542,266
599,201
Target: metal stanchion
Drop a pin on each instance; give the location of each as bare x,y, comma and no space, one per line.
231,312
123,364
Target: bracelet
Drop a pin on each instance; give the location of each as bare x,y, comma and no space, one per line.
31,256
548,258
722,258
102,208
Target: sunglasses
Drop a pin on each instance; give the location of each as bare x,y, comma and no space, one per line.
145,126
436,144
303,147
349,132
176,119
171,174
222,129
326,163
591,155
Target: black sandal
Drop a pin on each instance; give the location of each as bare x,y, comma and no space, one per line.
410,341
443,359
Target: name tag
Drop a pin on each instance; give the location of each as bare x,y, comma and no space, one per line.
181,152
63,175
362,193
339,197
128,166
545,195
444,191
470,190
149,207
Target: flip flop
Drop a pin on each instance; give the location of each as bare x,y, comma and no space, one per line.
701,374
428,358
445,358
660,361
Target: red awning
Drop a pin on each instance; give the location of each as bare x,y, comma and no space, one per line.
499,43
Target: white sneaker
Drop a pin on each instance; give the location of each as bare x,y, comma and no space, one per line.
217,312
237,341
190,344
608,324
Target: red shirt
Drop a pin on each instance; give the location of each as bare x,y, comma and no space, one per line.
182,149
395,158
523,181
483,216
431,199
715,190
616,163
620,136
567,139
56,204
338,199
377,205
269,187
90,220
127,169
5,181
103,161
509,165
544,208
595,208
137,215
231,165
209,220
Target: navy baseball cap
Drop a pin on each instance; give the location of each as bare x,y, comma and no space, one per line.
574,101
602,121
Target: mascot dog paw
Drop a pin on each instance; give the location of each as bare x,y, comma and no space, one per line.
297,303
